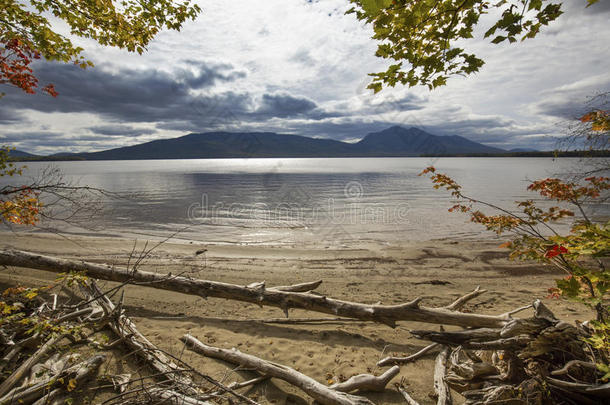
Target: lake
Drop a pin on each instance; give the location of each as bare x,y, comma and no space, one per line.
335,202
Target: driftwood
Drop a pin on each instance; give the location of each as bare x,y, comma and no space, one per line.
316,390
408,359
127,332
294,321
367,382
168,396
236,386
455,305
78,372
258,294
598,391
25,367
440,385
406,396
302,287
513,364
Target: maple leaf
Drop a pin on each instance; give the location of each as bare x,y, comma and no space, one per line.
555,250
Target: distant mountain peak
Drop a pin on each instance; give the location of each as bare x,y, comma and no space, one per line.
393,141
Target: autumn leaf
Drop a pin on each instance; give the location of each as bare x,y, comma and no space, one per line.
555,250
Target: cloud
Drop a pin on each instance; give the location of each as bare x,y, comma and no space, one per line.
301,68
9,116
284,105
128,94
113,130
575,99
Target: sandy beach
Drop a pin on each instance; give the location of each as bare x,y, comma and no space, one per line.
438,270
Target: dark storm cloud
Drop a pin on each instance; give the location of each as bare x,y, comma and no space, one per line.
113,130
562,108
166,99
206,75
284,105
30,140
571,102
28,135
128,95
9,117
580,7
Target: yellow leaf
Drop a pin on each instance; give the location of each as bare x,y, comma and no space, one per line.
71,385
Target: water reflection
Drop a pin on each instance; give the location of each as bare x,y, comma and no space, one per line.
292,201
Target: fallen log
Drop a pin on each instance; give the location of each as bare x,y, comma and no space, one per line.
386,314
316,390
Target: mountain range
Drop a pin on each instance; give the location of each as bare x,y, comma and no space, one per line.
394,141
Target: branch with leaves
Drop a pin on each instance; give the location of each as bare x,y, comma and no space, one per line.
420,35
26,31
582,253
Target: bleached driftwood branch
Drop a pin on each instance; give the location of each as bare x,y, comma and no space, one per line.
367,382
408,398
311,387
386,314
440,385
460,302
171,397
408,359
127,332
302,287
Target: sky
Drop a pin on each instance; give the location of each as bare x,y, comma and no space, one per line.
300,67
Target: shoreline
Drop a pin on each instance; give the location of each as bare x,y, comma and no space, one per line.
330,351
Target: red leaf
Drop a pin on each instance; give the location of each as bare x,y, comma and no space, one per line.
555,250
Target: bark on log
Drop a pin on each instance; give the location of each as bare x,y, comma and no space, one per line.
386,314
367,382
316,390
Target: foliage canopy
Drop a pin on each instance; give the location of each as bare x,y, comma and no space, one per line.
28,31
422,34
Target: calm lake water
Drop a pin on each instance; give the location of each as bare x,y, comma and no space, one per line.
331,202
